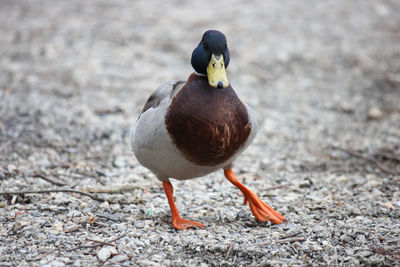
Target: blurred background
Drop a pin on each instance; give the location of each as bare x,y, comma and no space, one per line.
323,77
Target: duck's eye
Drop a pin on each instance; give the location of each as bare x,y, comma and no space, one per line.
226,46
205,46
213,65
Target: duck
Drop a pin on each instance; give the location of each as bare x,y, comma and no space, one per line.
188,129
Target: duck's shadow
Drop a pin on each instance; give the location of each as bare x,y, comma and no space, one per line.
242,219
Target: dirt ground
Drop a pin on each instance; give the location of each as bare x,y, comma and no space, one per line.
323,77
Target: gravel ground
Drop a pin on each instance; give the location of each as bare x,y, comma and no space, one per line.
323,76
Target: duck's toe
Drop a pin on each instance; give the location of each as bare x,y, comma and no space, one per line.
262,211
182,224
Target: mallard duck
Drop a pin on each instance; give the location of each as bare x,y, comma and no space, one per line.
193,128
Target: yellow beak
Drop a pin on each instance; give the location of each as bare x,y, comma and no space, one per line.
216,72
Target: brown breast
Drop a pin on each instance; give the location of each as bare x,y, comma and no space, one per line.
207,124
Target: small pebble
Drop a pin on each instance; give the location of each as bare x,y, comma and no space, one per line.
374,113
120,258
349,251
104,254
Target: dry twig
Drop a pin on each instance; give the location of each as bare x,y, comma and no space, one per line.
114,190
291,235
390,156
290,240
366,158
64,190
39,175
100,243
86,192
276,187
229,251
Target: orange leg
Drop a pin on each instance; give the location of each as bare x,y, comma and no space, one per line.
177,221
261,211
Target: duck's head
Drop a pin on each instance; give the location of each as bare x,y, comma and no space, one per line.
211,57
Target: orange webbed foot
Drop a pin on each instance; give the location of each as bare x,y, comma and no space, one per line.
182,224
260,210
